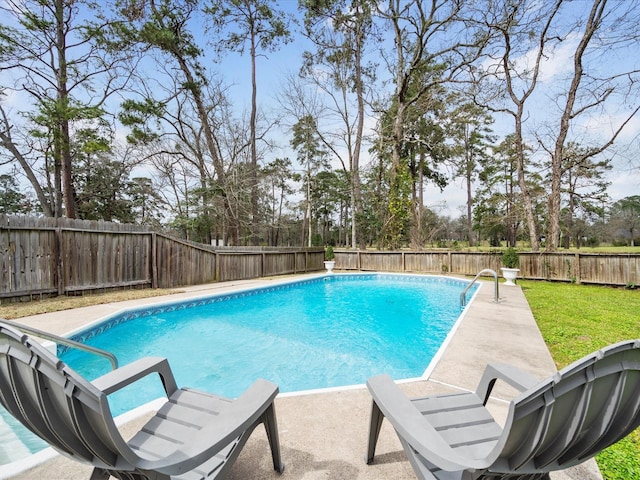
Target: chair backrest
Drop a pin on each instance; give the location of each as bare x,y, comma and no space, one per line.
575,414
56,403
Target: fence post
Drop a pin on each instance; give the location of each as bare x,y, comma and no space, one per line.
154,260
217,267
58,259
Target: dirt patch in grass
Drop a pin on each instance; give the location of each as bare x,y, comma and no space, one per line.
35,307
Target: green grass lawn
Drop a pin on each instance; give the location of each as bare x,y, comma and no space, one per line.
575,320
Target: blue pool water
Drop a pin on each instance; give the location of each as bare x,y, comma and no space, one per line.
325,332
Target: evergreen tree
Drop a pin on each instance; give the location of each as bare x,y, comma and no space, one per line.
12,201
65,60
313,157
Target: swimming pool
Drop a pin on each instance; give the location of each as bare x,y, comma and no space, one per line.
393,323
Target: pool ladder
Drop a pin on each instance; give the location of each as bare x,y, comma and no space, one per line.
496,294
67,342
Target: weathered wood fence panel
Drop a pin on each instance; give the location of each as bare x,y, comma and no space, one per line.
58,256
181,263
238,266
277,263
549,266
437,262
464,264
27,262
601,268
303,260
107,259
383,261
610,269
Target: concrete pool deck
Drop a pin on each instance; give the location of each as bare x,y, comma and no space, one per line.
323,434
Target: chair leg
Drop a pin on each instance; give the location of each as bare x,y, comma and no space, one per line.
99,474
374,431
271,426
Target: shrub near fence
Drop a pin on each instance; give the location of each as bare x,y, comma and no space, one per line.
600,268
57,256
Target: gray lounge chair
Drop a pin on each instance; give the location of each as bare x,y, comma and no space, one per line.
194,435
552,425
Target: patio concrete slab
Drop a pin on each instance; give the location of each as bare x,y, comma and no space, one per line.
323,434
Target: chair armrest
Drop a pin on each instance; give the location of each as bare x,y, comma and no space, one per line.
515,377
240,416
134,371
412,427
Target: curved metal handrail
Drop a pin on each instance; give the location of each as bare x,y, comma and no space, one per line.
463,295
65,341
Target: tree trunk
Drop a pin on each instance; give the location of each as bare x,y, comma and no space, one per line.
468,179
254,155
522,182
356,195
62,146
554,206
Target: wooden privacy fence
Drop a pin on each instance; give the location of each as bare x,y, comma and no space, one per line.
599,268
57,256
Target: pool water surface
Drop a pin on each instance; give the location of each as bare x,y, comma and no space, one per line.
327,332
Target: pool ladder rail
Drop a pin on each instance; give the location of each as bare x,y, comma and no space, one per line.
496,294
64,341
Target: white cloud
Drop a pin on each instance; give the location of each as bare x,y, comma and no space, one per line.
449,202
624,183
553,64
556,62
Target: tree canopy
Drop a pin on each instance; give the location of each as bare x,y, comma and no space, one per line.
341,126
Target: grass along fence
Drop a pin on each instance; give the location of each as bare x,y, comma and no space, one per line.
58,256
619,269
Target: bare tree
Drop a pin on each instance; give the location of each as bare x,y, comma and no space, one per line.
299,101
165,29
529,34
513,22
588,92
434,43
13,147
340,30
258,24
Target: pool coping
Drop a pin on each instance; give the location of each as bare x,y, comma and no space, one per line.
323,433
